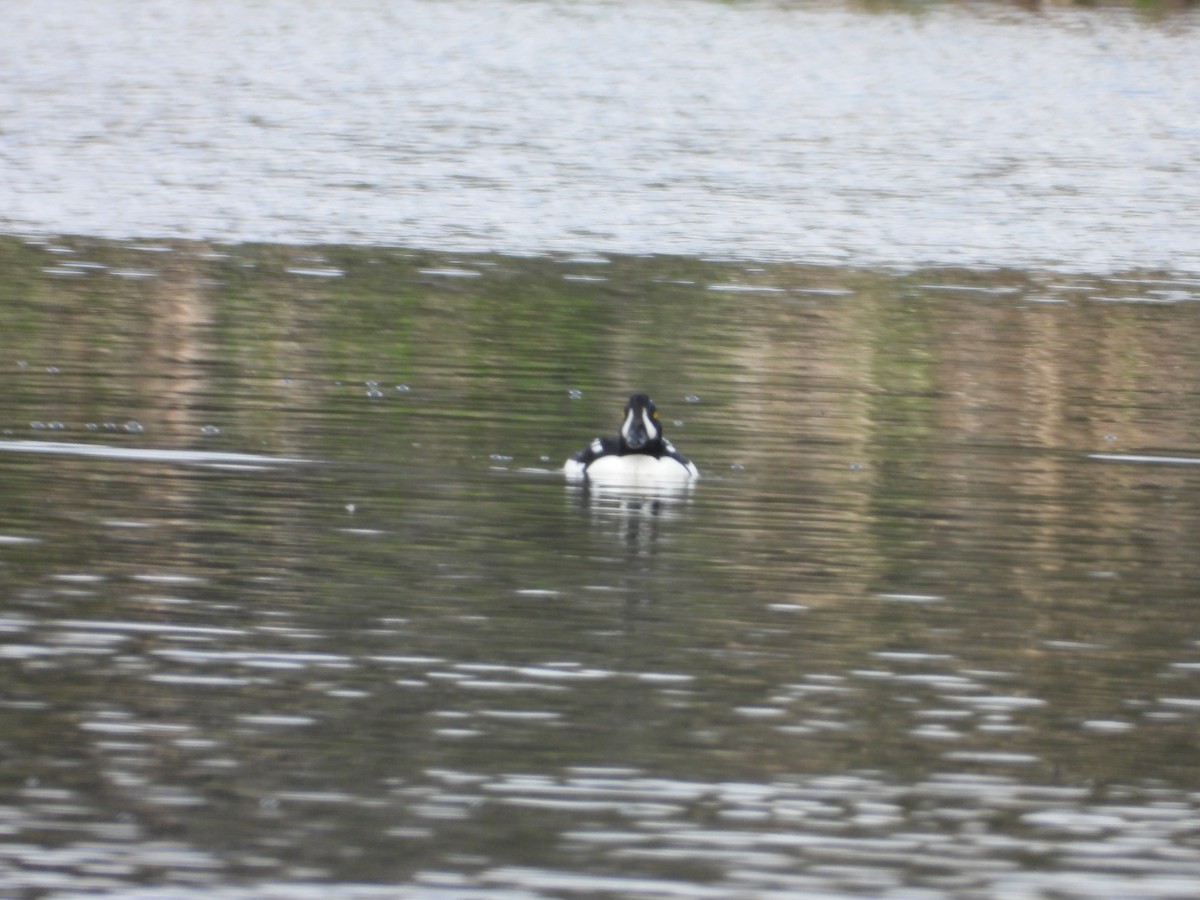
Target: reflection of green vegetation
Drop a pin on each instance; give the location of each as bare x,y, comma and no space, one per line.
271,343
904,372
904,427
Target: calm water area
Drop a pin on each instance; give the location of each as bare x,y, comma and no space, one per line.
302,307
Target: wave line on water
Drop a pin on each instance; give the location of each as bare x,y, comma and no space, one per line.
148,454
1143,458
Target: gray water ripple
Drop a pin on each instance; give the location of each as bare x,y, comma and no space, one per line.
149,454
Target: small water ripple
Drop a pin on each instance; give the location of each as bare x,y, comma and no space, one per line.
146,454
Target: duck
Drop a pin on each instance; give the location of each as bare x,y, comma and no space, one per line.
639,454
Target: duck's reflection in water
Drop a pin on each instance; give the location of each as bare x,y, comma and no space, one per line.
638,515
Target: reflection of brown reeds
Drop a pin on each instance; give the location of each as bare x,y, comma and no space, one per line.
839,398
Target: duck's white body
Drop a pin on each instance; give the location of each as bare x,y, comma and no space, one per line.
638,456
633,469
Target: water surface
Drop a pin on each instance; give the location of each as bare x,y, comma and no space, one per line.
296,603
984,134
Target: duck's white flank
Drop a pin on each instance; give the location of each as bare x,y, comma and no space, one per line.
633,468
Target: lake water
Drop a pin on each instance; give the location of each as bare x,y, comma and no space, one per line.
296,603
984,135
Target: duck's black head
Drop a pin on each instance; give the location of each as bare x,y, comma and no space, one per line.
641,432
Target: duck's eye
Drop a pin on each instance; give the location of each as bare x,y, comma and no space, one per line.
654,414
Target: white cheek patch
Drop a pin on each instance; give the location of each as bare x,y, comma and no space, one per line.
651,426
628,424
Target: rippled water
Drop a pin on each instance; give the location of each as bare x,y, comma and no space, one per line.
296,604
986,134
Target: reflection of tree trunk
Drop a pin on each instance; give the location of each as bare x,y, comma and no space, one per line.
180,347
801,422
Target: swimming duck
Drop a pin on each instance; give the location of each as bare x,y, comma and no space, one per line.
639,454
